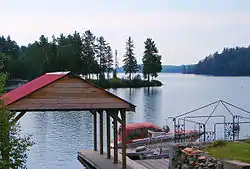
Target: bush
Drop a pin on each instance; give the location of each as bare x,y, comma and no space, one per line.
125,83
217,143
137,78
156,83
247,141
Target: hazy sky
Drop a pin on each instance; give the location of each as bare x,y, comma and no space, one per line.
185,31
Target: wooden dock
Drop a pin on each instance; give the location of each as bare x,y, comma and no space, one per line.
154,163
93,159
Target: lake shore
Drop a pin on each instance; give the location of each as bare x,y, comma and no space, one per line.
106,84
125,83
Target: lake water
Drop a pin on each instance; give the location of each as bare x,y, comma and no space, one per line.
59,135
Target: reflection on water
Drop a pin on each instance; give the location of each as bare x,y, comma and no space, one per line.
152,104
60,135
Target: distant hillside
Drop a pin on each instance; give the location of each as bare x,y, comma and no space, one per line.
172,69
165,69
230,62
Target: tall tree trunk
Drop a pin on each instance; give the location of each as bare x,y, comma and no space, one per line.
129,76
148,78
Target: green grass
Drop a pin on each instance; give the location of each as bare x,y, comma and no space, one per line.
231,150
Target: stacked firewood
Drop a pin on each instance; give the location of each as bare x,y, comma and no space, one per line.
193,158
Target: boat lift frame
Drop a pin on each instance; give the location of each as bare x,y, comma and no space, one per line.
231,128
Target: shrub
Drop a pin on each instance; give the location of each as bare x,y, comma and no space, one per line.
156,83
123,83
137,78
217,143
247,141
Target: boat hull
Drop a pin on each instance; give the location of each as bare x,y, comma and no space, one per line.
161,139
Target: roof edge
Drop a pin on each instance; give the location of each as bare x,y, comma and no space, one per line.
132,108
2,97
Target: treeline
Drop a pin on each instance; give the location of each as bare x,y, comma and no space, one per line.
230,62
83,54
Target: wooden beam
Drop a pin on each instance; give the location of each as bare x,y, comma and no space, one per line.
101,131
118,119
108,133
123,116
115,137
20,115
95,130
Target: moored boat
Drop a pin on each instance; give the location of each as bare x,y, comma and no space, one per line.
139,134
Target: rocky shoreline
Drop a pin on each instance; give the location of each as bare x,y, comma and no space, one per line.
193,156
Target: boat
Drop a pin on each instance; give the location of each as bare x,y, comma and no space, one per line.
140,134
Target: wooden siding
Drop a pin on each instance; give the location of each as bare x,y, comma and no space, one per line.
69,93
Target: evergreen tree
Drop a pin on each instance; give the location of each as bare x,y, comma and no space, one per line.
109,57
116,65
88,55
3,59
151,60
43,44
230,62
101,53
53,64
130,64
76,51
14,64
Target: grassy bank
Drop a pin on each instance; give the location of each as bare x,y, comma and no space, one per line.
231,150
125,83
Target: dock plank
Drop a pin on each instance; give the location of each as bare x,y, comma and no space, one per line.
98,161
154,163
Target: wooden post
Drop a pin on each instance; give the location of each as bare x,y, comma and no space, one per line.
123,116
101,131
108,133
115,138
95,130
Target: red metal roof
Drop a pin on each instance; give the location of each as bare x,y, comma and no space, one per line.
31,87
133,126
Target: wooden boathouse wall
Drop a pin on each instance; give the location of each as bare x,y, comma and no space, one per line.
63,91
69,93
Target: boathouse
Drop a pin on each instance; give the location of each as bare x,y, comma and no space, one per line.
64,91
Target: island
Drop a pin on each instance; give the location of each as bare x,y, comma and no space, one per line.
83,54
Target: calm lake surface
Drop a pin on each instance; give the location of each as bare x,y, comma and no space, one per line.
60,135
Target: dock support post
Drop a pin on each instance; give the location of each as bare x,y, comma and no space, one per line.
108,133
123,116
101,131
115,116
95,130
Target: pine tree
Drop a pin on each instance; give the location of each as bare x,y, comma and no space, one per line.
130,64
116,60
3,59
75,50
88,54
109,57
101,53
116,65
151,60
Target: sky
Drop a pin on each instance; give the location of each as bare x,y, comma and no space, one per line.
185,31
